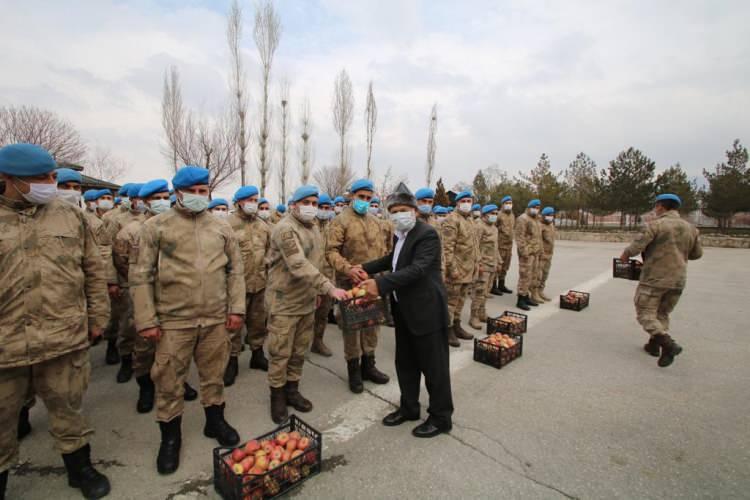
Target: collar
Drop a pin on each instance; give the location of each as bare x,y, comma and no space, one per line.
16,205
672,214
402,235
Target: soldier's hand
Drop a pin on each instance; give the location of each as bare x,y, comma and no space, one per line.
95,334
624,257
114,291
357,274
371,286
234,322
338,294
153,334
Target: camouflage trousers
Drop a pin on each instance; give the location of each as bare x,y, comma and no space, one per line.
321,314
113,327
528,273
144,352
653,306
457,293
362,342
479,293
255,323
126,326
506,253
210,347
61,384
545,262
289,338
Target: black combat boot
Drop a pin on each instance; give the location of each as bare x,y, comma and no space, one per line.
653,347
295,399
190,394
504,288
460,332
24,426
278,405
230,374
125,373
112,357
218,428
146,392
331,317
168,459
258,360
3,484
521,303
669,349
370,372
452,339
496,288
82,475
530,301
355,376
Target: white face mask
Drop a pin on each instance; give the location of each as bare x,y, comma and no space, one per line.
533,211
307,212
264,213
70,196
492,219
337,209
250,208
324,214
374,211
476,213
549,218
220,213
507,207
105,205
157,207
194,202
39,193
464,207
404,221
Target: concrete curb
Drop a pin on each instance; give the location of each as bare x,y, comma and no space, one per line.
624,237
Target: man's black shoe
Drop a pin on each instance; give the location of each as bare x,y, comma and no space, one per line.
230,374
190,393
125,373
427,429
258,360
168,459
396,418
504,288
653,347
669,349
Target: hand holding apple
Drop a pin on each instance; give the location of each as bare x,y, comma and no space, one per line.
371,287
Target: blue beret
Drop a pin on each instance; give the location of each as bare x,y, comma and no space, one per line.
362,184
548,211
463,194
450,209
189,176
534,203
134,189
102,192
375,199
670,197
303,192
339,199
172,198
262,201
117,200
218,201
153,187
423,193
506,198
435,208
90,195
68,175
245,192
489,208
124,189
281,208
441,210
324,199
23,160
476,206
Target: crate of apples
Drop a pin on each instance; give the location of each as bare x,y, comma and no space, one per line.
574,300
498,349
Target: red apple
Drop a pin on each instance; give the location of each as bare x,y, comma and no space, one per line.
238,455
277,454
291,445
282,438
303,443
267,447
237,468
295,435
248,463
261,463
286,456
273,464
251,447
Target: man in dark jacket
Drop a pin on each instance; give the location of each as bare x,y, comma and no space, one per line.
420,309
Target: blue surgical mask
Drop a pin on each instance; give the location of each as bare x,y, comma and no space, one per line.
360,206
425,209
195,202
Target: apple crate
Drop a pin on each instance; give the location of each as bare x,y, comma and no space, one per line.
630,270
494,355
275,482
574,300
509,322
359,313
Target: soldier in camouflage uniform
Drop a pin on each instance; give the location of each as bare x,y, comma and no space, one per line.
489,262
219,207
505,226
666,244
278,214
295,281
461,259
548,248
188,287
254,237
356,237
425,201
323,221
528,234
264,212
53,303
339,204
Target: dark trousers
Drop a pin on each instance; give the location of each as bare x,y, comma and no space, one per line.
423,355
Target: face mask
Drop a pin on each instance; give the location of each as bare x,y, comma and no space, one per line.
441,218
404,221
125,202
220,213
374,211
140,206
337,210
264,213
324,214
39,194
307,212
476,213
507,207
194,202
549,218
533,211
250,208
425,209
361,206
492,219
70,196
105,205
464,207
157,207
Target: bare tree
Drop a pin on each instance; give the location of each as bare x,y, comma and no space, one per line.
371,120
237,84
284,146
343,112
267,33
389,182
102,164
172,115
333,180
34,125
305,152
431,144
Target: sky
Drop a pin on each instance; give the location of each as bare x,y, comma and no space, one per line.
512,79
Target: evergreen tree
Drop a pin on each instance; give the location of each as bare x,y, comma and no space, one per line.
630,181
441,196
728,186
674,180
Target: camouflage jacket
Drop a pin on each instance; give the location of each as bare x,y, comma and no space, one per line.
103,237
460,248
428,219
528,235
489,257
125,245
386,227
505,225
294,276
53,285
353,239
667,243
325,267
186,271
548,239
254,238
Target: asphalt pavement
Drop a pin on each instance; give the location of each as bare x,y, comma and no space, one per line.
584,413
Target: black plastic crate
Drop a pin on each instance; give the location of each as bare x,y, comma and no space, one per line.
494,355
630,270
517,327
275,482
364,312
576,302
